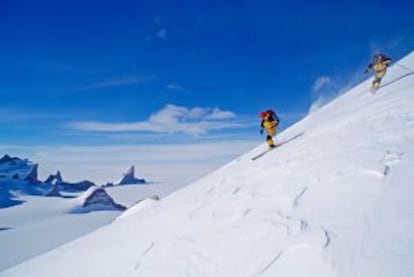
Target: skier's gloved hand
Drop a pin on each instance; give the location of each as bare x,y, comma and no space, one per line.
366,70
261,131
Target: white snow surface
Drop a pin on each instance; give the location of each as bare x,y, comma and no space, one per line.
41,224
334,200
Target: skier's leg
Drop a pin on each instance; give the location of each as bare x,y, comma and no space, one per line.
376,83
270,133
269,141
378,77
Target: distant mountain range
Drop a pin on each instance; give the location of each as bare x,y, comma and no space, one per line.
20,176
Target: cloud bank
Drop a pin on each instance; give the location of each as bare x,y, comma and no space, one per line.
179,164
171,119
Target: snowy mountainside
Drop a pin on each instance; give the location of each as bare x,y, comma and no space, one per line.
15,168
334,200
17,176
44,223
27,216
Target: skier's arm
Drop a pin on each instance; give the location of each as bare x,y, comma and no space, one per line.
369,67
277,120
261,124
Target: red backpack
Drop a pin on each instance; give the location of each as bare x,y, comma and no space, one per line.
271,114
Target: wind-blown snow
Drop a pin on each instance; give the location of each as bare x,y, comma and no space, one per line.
334,200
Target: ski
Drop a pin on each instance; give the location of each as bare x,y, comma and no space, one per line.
267,151
262,154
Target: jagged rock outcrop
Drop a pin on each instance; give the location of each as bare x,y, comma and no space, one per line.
76,187
7,199
96,198
129,178
54,178
18,169
20,175
32,175
6,159
108,185
54,192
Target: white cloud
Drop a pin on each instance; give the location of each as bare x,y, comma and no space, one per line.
171,119
320,83
218,114
119,81
175,87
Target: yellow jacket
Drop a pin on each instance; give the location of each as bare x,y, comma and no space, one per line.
270,125
381,66
379,63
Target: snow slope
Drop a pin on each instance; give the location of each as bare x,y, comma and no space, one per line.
44,223
41,224
334,200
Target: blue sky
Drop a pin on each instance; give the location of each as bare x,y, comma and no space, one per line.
96,73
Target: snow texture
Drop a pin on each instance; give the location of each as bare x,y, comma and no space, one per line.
334,201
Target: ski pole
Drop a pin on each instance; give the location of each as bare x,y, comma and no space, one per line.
406,68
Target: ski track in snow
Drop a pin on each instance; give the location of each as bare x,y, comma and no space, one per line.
146,251
296,200
268,265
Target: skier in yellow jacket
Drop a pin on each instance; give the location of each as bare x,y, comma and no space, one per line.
379,64
270,121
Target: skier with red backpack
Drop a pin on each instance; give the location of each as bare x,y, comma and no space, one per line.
379,63
270,121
